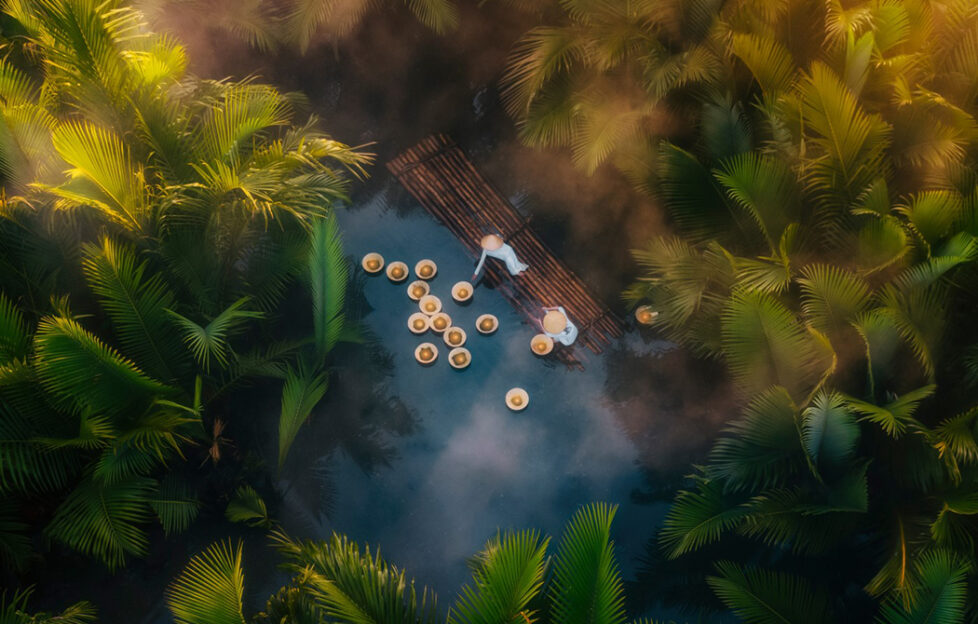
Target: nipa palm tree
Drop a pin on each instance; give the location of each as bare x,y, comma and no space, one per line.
189,210
515,580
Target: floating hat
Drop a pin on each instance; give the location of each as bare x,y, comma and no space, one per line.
440,322
542,344
418,289
425,269
554,322
462,291
373,262
418,323
430,304
426,353
517,399
491,242
645,315
454,336
459,358
397,271
486,324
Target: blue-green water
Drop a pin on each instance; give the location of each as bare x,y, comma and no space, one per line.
473,467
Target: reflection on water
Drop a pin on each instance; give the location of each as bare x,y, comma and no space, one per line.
472,466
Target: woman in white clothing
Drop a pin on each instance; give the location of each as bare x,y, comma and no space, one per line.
556,325
494,247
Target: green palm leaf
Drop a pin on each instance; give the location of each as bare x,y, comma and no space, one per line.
933,214
210,588
765,345
300,394
175,504
763,448
828,431
104,520
940,596
14,339
210,341
74,365
136,303
243,111
248,507
832,297
767,58
897,416
355,587
587,587
328,273
692,195
13,612
700,517
764,188
760,596
508,574
439,15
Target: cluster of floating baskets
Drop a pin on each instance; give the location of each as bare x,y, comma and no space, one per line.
431,317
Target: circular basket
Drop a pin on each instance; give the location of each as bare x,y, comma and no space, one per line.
462,292
486,324
418,323
426,269
459,358
397,272
430,305
542,344
423,349
440,322
418,289
372,263
517,399
454,337
645,315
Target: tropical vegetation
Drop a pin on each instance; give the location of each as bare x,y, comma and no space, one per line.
150,221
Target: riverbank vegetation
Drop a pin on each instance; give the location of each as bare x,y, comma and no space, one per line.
817,163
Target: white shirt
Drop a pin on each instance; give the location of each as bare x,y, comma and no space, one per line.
569,333
507,255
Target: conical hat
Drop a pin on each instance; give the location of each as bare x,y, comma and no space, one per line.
491,242
554,322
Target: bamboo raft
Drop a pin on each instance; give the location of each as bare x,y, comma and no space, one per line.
440,176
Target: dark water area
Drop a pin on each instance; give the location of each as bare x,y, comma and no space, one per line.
428,463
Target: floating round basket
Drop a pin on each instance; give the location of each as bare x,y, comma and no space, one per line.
440,322
462,292
418,289
372,263
397,272
459,358
486,324
645,315
426,353
542,344
418,323
517,399
425,269
454,336
430,304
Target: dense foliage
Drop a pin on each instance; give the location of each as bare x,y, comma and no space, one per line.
150,221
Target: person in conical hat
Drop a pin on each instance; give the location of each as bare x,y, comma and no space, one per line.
494,247
557,325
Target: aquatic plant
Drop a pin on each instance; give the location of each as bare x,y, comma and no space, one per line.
13,612
514,580
150,219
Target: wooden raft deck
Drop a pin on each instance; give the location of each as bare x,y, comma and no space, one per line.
439,175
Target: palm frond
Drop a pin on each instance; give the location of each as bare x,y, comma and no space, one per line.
699,517
354,586
765,189
136,304
767,58
439,15
301,393
507,576
175,504
328,274
14,339
68,358
104,520
832,297
210,342
933,213
543,53
759,596
12,611
210,588
897,416
692,195
829,431
940,596
248,507
243,111
587,586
